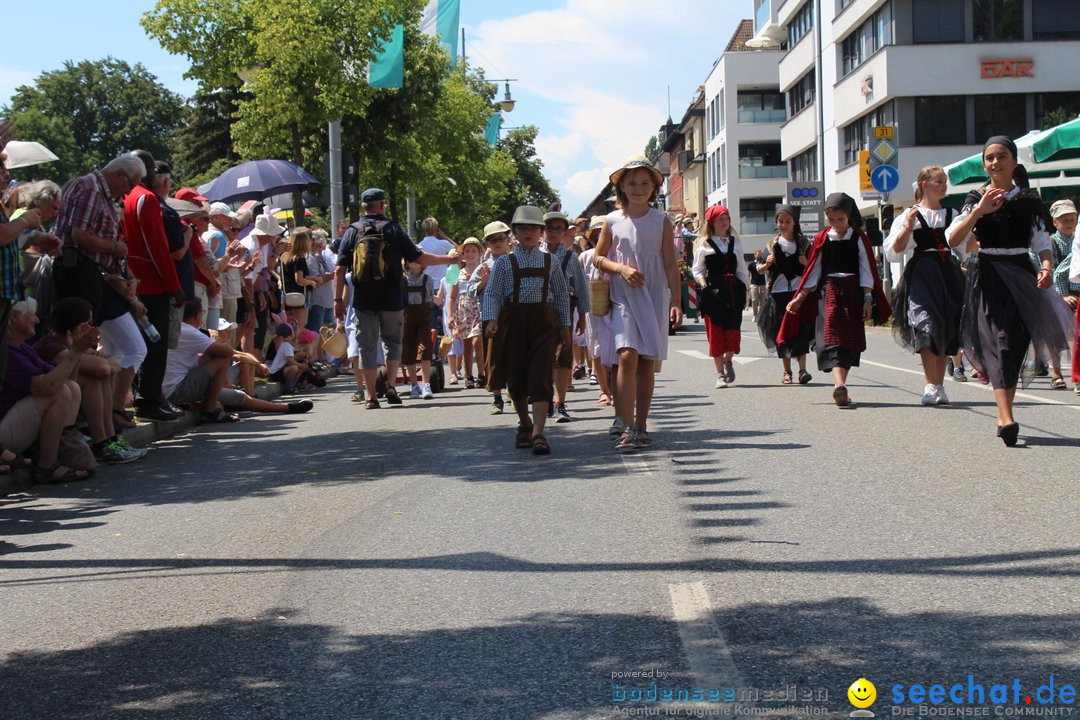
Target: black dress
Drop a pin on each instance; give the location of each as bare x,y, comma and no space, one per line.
724,296
775,304
929,297
1005,312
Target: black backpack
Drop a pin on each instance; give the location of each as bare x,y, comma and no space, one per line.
371,263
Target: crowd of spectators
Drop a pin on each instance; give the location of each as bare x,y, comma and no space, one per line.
123,302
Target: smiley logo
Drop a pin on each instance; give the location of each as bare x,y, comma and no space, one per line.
862,693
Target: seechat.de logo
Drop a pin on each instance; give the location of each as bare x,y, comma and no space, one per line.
862,694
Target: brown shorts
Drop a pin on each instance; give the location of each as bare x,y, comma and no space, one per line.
564,353
416,336
523,353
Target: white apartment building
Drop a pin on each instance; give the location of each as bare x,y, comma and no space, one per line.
947,73
744,111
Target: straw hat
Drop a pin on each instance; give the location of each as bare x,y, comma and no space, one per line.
493,228
632,163
267,225
473,241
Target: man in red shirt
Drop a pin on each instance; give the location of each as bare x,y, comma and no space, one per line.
150,261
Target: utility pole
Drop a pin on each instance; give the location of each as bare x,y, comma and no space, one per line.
337,209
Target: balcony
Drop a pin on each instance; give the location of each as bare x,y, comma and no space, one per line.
800,132
769,115
757,227
762,172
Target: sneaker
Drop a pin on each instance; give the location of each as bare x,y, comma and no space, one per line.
840,396
115,454
617,427
939,395
561,416
929,395
392,397
497,405
1041,369
579,372
729,370
959,375
299,407
721,381
414,393
124,444
425,391
593,380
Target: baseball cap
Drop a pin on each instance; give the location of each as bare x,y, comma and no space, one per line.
1062,207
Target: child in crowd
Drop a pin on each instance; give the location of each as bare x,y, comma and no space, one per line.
416,336
842,273
600,336
287,365
527,309
783,267
556,226
723,279
466,321
497,240
1063,214
637,250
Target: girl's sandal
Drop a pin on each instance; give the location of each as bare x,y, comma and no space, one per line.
220,415
540,446
1058,383
628,441
786,380
523,440
58,474
804,377
604,399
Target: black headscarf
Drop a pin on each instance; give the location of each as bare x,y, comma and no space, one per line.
792,210
1020,175
844,202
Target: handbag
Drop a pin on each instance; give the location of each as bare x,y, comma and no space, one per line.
74,452
599,297
333,342
295,300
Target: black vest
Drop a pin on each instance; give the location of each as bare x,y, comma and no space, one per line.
718,264
1010,226
786,265
928,238
840,256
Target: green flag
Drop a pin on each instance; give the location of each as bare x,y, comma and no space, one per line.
387,70
491,134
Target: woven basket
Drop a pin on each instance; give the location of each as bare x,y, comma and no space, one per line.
599,297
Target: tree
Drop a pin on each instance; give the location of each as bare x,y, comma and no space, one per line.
90,112
528,186
654,147
203,148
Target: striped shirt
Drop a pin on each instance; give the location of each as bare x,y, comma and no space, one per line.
1060,260
500,287
575,276
11,286
86,205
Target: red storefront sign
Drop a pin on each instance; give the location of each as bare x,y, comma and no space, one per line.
1009,67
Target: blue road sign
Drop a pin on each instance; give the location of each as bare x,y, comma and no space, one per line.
885,178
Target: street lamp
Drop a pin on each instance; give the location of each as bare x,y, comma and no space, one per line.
507,103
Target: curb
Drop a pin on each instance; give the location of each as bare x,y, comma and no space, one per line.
145,434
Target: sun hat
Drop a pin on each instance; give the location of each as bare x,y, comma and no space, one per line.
473,241
185,209
632,163
1062,207
556,215
494,228
220,208
528,215
223,325
267,225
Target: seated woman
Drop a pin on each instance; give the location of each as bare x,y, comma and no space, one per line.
39,400
96,378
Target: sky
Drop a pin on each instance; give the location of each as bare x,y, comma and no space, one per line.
595,76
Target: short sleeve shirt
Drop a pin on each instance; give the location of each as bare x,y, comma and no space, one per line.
23,365
399,248
184,357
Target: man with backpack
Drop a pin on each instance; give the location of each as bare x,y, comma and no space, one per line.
373,250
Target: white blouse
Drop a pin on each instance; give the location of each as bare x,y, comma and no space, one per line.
741,271
866,276
934,219
781,284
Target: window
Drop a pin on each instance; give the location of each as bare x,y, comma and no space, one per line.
941,121
723,164
1055,19
761,13
857,134
761,106
1000,115
720,107
804,166
757,216
761,160
867,39
998,20
1055,108
938,21
801,23
801,94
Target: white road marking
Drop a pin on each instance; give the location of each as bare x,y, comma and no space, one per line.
635,464
974,384
694,354
711,665
745,360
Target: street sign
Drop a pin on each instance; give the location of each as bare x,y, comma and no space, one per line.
885,178
806,194
884,132
865,185
884,151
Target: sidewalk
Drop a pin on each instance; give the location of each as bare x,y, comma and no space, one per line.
145,434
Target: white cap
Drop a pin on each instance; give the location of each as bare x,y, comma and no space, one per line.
223,325
220,208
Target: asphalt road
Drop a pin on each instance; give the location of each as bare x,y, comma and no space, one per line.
410,563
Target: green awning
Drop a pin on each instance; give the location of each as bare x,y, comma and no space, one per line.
966,171
1058,143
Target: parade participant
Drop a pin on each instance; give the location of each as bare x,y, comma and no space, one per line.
527,310
1063,215
637,249
758,282
929,296
601,338
842,273
497,240
416,337
720,273
465,321
556,227
783,267
1006,309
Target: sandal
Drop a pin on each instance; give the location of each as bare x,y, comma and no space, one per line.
804,377
840,396
357,397
604,399
628,441
48,475
218,415
786,380
373,404
470,383
523,440
1058,383
13,460
540,446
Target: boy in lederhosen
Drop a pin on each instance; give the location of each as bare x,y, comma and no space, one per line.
555,226
416,334
527,309
497,242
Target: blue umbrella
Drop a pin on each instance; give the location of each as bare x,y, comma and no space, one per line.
259,179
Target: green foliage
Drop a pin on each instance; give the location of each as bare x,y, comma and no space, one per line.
90,112
1055,117
204,144
527,185
654,147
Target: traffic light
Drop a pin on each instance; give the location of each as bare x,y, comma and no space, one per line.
873,232
888,212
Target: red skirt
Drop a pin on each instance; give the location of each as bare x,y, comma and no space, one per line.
722,340
844,314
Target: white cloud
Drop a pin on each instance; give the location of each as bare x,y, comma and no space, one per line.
594,77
